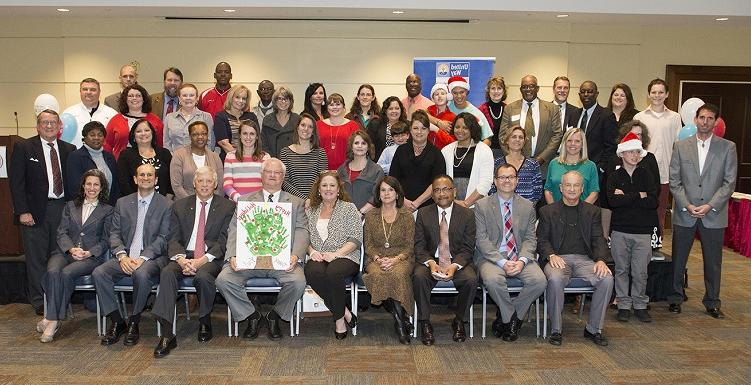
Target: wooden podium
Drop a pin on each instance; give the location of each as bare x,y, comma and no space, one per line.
9,232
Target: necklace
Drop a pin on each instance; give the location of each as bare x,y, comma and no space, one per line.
500,112
335,136
386,235
418,149
471,143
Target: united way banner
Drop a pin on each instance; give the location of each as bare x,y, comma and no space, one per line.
477,71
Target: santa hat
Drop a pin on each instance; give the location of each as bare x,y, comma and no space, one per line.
440,86
628,143
458,81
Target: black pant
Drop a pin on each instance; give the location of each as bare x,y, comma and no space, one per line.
465,281
711,250
328,280
204,282
39,241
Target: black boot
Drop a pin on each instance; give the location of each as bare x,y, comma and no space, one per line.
400,322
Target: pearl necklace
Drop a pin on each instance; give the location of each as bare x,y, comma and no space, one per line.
471,143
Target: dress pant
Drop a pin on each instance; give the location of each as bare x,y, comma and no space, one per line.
711,249
632,253
231,285
328,281
169,282
39,241
580,266
494,279
144,278
465,280
59,282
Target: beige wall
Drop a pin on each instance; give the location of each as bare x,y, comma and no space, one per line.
53,55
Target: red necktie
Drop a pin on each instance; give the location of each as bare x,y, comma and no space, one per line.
170,106
200,248
57,176
508,234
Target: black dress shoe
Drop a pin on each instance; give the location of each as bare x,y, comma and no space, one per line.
597,338
273,321
715,313
204,333
556,339
165,346
675,308
514,325
340,336
427,333
132,336
114,333
499,328
251,332
459,334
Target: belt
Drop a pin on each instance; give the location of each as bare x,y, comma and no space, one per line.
54,199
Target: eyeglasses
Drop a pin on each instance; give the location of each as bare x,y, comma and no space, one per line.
272,172
506,178
282,99
529,87
445,190
48,123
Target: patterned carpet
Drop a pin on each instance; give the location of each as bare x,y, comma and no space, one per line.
689,348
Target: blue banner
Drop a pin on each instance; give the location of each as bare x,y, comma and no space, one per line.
476,70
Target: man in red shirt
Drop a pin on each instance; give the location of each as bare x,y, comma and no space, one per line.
212,100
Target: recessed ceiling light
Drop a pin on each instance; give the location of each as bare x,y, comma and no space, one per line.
561,16
230,10
397,12
63,10
721,19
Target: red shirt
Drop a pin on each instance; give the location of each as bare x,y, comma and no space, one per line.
212,101
118,130
441,138
333,140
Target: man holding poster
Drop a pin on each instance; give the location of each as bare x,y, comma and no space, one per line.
244,264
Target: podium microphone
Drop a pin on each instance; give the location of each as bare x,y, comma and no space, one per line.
16,115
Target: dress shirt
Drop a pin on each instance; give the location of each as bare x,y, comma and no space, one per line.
274,196
146,199
663,129
167,99
191,246
419,102
503,249
703,147
562,110
535,116
448,211
87,209
48,163
589,111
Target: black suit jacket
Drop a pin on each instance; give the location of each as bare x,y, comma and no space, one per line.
28,177
551,227
602,131
462,229
570,111
215,233
79,162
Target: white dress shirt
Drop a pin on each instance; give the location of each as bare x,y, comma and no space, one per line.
48,164
535,116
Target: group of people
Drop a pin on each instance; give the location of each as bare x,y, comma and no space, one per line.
427,190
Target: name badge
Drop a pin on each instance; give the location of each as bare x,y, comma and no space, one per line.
515,118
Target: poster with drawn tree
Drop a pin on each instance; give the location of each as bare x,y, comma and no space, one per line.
263,235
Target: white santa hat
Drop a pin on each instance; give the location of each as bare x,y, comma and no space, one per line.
628,143
458,81
441,86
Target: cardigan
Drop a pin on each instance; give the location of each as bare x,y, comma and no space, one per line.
183,168
362,190
344,226
481,177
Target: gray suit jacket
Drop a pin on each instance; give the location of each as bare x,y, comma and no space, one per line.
113,101
490,228
92,235
215,232
300,240
156,228
549,135
714,186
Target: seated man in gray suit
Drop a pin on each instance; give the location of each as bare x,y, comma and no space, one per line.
505,247
138,239
197,241
569,236
231,281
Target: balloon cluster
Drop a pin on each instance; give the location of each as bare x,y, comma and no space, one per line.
49,102
688,113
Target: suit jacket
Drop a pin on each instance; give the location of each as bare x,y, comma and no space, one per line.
462,229
549,135
489,219
551,227
299,220
92,235
79,162
714,186
28,177
156,228
601,134
113,101
183,168
157,105
567,116
184,213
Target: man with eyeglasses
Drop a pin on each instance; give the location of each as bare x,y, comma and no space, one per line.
570,240
37,175
541,121
505,248
600,129
212,100
444,246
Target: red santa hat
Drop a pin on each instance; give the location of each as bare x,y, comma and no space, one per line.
628,143
458,81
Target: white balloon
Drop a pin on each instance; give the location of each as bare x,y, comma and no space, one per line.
689,108
45,102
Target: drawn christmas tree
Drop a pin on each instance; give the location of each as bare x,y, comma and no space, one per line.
266,232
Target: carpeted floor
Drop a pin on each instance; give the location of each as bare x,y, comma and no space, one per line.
689,348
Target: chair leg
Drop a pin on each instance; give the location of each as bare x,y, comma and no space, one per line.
98,316
472,321
414,328
354,304
125,305
187,306
484,309
299,312
292,323
230,332
70,310
537,316
545,318
174,322
581,307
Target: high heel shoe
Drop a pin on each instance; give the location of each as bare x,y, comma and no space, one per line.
352,323
340,336
45,338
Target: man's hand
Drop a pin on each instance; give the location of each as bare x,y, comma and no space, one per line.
601,269
449,271
444,125
513,268
642,194
26,219
292,263
618,192
557,262
125,264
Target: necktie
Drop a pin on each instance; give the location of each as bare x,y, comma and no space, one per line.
508,234
200,248
57,176
529,129
583,125
444,253
271,198
170,106
136,246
